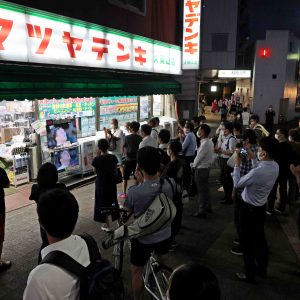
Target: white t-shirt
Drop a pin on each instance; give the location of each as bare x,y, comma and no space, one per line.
246,118
47,282
118,133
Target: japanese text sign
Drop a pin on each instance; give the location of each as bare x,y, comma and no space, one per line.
124,109
191,35
30,35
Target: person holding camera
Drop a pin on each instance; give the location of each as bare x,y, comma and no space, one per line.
256,186
248,149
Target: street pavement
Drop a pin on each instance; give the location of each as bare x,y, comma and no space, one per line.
206,241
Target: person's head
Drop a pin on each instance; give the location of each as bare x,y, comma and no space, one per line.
202,119
203,131
152,122
188,127
47,175
193,282
196,121
181,123
245,109
164,136
174,149
237,127
148,160
60,136
227,128
58,213
65,158
249,137
294,135
145,130
254,119
157,121
114,123
134,126
103,145
127,126
267,149
281,134
270,107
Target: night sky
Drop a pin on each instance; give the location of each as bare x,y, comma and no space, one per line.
273,14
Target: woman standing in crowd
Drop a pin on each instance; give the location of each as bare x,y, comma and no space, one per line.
47,179
105,166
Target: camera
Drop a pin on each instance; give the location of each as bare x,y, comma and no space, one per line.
244,153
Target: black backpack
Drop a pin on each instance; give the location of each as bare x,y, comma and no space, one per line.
99,280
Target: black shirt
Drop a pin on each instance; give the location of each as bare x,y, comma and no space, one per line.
131,145
4,182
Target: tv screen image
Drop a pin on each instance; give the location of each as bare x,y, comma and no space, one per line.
66,158
60,134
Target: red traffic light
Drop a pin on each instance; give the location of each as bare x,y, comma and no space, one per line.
264,52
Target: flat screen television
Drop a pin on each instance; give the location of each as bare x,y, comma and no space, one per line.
66,158
59,134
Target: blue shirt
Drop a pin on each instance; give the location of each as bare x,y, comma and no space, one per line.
189,145
140,197
258,183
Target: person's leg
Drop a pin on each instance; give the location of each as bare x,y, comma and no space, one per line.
282,180
248,240
223,175
237,215
261,242
292,189
272,198
4,264
229,183
203,190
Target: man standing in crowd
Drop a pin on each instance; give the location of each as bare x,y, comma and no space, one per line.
225,148
163,140
139,198
148,140
189,146
249,145
4,183
258,128
58,213
130,148
270,114
196,123
257,185
117,134
154,128
202,164
245,118
284,159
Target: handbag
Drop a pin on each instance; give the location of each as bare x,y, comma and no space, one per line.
231,160
112,144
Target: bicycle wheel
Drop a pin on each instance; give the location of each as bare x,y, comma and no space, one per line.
118,256
159,282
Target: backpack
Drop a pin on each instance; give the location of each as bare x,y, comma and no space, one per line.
99,280
159,214
164,157
112,144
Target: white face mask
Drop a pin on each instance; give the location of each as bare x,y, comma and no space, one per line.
290,139
186,130
276,136
198,135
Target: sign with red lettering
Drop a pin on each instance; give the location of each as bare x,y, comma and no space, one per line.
29,35
191,35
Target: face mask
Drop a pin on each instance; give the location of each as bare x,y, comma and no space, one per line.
198,135
260,155
276,136
186,130
290,139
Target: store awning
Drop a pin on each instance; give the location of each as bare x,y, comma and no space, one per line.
39,81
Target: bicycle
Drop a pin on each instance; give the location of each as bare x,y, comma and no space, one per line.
156,275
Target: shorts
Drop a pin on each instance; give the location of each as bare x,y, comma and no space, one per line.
129,167
2,227
140,253
118,157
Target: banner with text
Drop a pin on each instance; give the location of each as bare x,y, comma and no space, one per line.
30,35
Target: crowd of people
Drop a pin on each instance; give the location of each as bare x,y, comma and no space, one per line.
253,164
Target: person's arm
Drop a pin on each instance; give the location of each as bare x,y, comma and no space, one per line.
185,143
4,181
34,192
201,154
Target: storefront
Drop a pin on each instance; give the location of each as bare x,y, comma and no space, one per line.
76,77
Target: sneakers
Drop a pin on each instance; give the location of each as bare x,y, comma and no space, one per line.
237,250
4,265
105,228
123,196
269,212
243,277
236,241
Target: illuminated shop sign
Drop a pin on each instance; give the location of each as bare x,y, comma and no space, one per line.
191,35
234,74
30,35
